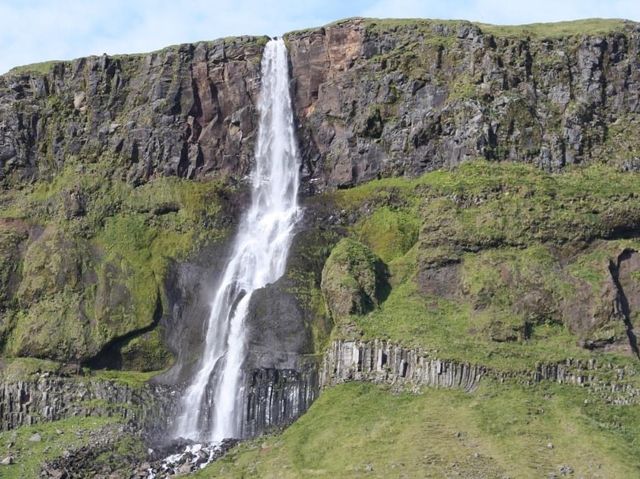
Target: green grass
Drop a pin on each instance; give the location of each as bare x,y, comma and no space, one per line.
589,26
518,236
133,379
41,68
449,329
19,369
29,456
389,232
483,204
363,430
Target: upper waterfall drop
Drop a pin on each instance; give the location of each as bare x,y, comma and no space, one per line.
210,407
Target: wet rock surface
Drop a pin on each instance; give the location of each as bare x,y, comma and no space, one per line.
176,459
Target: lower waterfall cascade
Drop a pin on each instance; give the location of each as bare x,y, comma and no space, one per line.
210,409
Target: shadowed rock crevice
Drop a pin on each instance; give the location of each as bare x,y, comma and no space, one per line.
622,306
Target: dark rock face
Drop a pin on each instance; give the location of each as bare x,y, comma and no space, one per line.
406,368
280,372
376,99
187,110
276,397
51,397
190,287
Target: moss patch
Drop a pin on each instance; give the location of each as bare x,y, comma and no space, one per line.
495,263
98,270
353,279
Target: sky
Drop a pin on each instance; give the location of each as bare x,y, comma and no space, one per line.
39,30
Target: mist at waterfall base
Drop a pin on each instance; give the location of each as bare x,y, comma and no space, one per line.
211,408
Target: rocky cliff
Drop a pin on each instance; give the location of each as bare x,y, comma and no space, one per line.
186,111
385,97
470,194
48,397
405,368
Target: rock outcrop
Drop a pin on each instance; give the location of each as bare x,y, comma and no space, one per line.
373,98
410,368
48,397
187,110
383,362
274,398
384,98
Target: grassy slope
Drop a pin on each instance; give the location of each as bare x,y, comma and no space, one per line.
362,430
56,437
529,228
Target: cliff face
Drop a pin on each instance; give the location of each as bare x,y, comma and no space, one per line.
186,110
122,181
373,98
385,98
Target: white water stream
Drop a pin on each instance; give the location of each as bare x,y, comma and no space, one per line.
210,406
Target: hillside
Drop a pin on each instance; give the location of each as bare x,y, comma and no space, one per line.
469,196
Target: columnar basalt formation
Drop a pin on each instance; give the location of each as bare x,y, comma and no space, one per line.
50,398
276,397
383,362
406,368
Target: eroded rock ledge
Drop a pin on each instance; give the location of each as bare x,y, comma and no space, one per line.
49,398
385,362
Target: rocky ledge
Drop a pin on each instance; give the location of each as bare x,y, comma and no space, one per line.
47,397
385,362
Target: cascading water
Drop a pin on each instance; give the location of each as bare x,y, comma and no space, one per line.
210,407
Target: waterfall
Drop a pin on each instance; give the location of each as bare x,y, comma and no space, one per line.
211,407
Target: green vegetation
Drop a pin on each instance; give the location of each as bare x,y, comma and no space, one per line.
389,232
146,353
362,430
483,204
133,379
588,26
42,68
493,263
97,271
353,279
19,369
55,438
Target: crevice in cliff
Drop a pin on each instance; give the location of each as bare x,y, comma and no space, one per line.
621,305
110,356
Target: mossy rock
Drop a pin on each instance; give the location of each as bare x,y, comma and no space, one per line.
354,279
146,353
84,256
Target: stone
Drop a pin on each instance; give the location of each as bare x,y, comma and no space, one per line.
59,397
35,437
7,461
565,470
184,469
